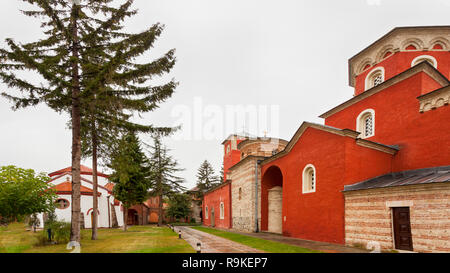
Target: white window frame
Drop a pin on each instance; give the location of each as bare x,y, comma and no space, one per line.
206,212
360,123
305,179
369,77
431,58
222,210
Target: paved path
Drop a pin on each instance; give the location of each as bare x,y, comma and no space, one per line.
211,243
321,246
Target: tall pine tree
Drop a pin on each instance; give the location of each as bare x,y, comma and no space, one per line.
163,168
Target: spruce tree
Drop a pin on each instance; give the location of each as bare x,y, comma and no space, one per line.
163,169
131,174
206,179
90,70
125,90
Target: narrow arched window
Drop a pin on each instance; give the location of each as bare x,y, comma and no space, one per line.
375,77
206,212
240,193
222,211
365,123
309,179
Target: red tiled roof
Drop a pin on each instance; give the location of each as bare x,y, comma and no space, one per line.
83,169
109,186
66,188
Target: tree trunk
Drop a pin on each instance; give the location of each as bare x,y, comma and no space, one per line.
160,210
76,135
125,218
114,223
95,181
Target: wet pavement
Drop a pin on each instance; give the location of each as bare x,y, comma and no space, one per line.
214,244
211,243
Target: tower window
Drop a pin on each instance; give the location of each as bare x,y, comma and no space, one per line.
424,58
375,77
365,123
309,179
368,126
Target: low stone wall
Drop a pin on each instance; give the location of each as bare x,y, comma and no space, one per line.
368,216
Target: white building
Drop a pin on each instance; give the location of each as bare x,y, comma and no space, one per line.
61,181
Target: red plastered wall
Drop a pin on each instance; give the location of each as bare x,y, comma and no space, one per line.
423,138
319,216
401,61
213,200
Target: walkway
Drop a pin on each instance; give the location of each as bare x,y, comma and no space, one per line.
321,246
211,243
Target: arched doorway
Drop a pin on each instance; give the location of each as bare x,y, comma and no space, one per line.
272,200
133,218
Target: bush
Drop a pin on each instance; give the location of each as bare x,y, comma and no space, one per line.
193,220
60,233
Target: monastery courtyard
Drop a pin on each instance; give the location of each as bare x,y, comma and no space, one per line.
152,239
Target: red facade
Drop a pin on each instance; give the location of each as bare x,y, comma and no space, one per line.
394,123
212,203
421,140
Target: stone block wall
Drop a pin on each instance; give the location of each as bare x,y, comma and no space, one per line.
368,216
243,196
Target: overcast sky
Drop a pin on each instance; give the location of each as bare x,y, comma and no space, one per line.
289,55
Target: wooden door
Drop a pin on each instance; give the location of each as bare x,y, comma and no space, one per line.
213,218
402,229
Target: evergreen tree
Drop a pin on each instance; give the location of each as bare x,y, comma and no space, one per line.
163,167
131,174
206,179
179,205
90,71
222,177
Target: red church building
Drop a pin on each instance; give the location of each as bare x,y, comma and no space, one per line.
379,168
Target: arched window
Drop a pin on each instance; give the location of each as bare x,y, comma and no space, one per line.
62,204
424,58
309,179
365,123
240,193
222,210
375,77
228,149
206,212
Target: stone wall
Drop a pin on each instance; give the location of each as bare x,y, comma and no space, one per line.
368,216
243,196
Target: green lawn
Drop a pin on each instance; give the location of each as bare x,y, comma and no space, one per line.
261,244
138,239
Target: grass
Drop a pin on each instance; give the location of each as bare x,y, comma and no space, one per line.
261,244
138,239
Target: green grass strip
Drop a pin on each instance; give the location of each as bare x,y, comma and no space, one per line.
261,244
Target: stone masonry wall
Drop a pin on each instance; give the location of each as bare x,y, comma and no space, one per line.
243,208
368,216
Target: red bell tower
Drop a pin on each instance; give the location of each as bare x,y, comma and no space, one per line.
231,154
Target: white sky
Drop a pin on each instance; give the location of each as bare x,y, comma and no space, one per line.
250,52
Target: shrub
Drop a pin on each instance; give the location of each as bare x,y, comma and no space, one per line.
60,232
193,220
